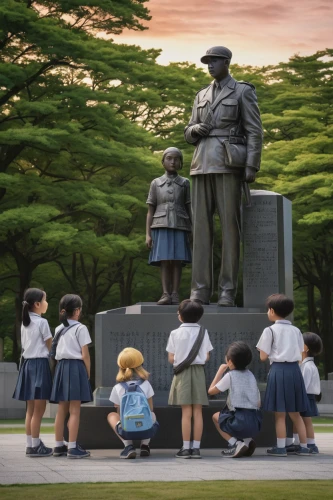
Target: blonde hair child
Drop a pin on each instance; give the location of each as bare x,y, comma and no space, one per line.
130,363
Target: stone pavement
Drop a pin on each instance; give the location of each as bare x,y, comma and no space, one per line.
105,465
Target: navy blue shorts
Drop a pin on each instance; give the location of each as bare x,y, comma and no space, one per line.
313,409
241,423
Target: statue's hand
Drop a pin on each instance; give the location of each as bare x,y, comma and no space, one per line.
249,174
149,241
201,129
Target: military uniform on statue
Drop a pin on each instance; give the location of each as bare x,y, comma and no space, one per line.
226,129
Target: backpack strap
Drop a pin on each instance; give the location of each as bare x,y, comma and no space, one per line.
192,354
271,329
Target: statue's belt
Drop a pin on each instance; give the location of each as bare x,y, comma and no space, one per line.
217,132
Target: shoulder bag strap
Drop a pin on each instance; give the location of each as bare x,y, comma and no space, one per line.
192,354
271,329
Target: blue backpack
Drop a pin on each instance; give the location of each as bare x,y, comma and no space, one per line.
135,415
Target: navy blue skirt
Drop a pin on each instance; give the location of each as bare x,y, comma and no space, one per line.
169,244
241,423
150,433
71,382
34,380
285,391
312,409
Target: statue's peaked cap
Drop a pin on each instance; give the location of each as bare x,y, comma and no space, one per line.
216,52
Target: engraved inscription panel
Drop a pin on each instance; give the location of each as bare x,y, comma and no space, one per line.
260,234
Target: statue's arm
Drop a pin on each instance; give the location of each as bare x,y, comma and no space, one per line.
252,125
149,221
190,135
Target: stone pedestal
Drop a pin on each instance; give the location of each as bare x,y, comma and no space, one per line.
147,327
9,407
267,242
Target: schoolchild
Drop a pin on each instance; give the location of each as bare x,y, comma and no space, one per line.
283,345
71,385
242,418
313,346
130,363
169,224
188,388
34,381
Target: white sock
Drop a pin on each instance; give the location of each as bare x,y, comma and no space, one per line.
289,441
303,445
145,441
59,444
311,440
127,442
35,442
281,442
196,444
247,441
71,445
186,445
296,439
232,441
29,441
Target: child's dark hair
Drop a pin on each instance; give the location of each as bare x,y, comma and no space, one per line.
31,296
240,354
67,306
282,305
190,310
314,343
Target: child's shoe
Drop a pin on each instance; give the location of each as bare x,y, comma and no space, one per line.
128,452
58,451
40,451
291,449
77,452
303,452
250,449
277,452
144,450
28,450
235,451
313,449
195,453
183,453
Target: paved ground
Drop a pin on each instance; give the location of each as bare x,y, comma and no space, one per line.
105,465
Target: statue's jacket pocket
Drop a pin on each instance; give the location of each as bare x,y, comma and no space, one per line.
228,110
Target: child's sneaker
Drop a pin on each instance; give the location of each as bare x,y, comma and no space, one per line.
195,453
303,452
77,452
28,450
235,451
250,449
183,453
291,449
277,452
144,450
40,451
313,449
58,451
128,452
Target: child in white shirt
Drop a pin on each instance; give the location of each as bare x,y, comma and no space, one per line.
130,363
313,346
188,388
34,381
285,393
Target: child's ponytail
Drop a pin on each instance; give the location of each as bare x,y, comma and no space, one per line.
31,296
68,304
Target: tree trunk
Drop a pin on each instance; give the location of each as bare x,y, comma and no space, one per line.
326,326
312,310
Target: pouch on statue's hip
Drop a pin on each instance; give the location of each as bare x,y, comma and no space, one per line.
235,154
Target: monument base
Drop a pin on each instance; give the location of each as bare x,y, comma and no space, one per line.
95,432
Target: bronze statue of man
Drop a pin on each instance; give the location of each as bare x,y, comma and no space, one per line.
226,129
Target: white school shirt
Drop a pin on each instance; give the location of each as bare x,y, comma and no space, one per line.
118,391
287,345
311,376
70,344
181,342
33,337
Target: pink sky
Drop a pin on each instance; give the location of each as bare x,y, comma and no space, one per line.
257,31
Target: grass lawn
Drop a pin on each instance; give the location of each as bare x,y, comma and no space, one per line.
21,430
323,429
44,421
228,490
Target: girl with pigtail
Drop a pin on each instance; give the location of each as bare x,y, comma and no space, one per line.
34,381
71,385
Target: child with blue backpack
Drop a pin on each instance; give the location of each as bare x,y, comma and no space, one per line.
133,387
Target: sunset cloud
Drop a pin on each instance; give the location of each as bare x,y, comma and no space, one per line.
257,31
